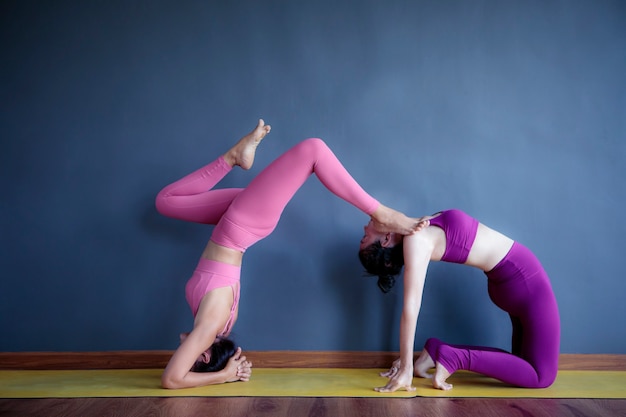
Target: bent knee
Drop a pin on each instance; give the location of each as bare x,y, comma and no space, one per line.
545,376
312,145
164,204
161,203
546,380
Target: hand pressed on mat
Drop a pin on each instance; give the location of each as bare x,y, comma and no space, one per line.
400,377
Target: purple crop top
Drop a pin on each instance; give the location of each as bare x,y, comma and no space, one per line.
460,230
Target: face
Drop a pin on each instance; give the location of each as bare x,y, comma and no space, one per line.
371,235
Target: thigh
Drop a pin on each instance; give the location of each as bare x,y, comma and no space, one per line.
517,336
206,208
541,329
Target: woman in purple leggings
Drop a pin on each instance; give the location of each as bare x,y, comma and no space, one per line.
517,283
241,218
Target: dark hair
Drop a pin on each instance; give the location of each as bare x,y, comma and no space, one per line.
221,351
386,263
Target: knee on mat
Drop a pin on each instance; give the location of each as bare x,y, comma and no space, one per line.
546,379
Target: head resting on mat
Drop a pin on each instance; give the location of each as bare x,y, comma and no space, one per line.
216,357
382,255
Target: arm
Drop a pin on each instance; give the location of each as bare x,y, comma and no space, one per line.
178,373
417,252
213,312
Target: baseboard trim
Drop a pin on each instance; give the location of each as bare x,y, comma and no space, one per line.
261,359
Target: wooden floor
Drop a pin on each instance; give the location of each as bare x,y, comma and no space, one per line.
318,407
292,407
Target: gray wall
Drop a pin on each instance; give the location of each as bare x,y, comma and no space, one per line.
514,111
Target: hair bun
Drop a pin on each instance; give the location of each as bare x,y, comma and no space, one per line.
386,282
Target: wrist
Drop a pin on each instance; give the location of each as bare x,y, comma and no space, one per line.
406,367
223,376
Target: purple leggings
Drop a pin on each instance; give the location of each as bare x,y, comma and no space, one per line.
520,286
246,215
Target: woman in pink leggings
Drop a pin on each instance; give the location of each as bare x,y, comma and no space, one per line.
241,218
517,283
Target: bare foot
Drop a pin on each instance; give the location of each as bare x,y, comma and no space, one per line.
423,363
243,152
441,375
389,220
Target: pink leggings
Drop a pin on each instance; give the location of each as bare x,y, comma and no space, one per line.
520,286
244,216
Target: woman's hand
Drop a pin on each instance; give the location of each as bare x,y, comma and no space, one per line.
395,367
402,379
238,368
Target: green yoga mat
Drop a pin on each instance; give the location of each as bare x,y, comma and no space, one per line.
295,382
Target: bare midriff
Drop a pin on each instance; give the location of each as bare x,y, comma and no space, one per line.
215,252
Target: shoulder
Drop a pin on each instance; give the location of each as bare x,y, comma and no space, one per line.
422,241
429,243
454,214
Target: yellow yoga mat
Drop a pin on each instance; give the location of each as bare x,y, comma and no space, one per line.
295,382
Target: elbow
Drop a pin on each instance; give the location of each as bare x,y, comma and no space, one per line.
168,382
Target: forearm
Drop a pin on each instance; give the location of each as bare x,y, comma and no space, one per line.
177,373
194,379
408,324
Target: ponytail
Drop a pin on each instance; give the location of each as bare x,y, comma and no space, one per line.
386,283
